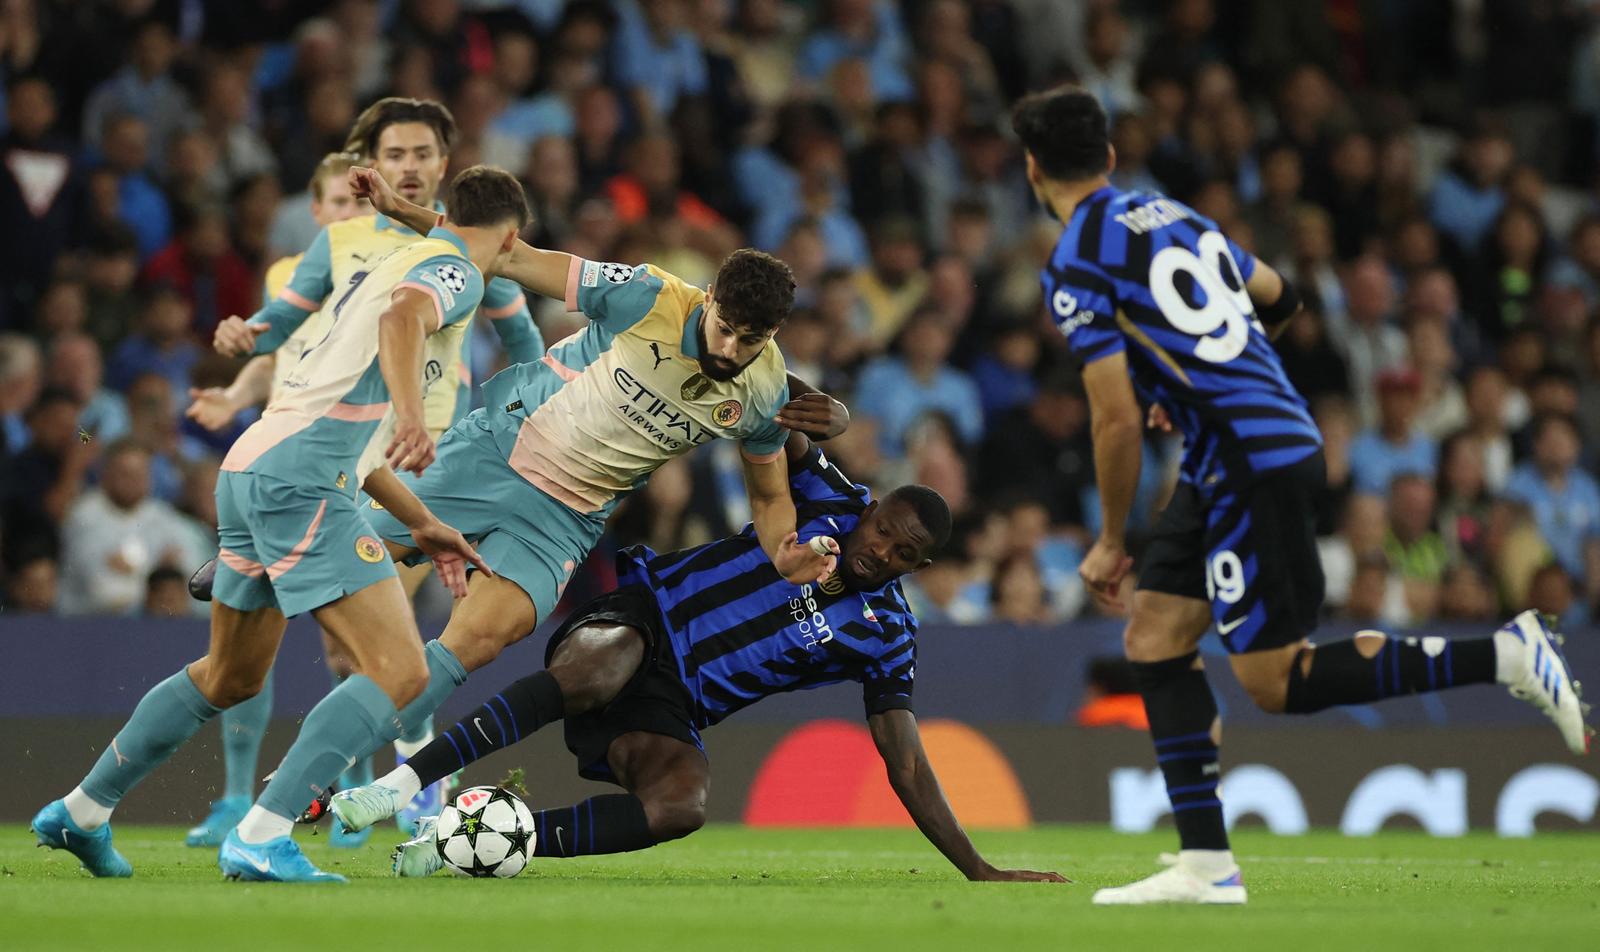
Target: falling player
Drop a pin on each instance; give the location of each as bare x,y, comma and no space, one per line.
691,637
1158,304
408,142
293,540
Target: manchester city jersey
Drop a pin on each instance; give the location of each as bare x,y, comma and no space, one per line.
1141,274
741,632
607,406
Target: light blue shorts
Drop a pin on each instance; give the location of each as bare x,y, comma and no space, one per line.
522,533
293,546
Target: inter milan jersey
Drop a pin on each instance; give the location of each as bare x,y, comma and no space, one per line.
1138,273
741,632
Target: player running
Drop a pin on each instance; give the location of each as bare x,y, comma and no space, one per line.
408,142
691,637
293,539
661,367
1155,301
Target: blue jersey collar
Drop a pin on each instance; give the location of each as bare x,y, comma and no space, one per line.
691,340
384,222
443,233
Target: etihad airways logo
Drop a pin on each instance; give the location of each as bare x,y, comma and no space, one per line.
655,417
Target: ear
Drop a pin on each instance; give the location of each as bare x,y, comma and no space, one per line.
922,565
871,508
1111,158
509,242
1034,178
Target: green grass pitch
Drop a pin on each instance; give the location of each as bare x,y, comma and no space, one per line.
764,890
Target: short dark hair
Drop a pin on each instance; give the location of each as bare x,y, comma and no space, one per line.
1066,132
754,290
931,509
484,195
1544,421
394,110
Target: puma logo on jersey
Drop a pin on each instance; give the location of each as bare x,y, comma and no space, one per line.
655,349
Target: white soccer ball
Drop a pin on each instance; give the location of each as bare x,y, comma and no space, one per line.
485,831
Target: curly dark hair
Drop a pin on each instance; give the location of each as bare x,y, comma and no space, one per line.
394,110
754,290
1066,132
484,195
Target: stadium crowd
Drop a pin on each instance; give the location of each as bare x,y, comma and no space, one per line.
1424,170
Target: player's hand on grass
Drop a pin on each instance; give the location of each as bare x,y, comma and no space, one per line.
236,337
368,184
1157,419
802,563
993,875
451,554
211,408
817,415
1102,571
411,450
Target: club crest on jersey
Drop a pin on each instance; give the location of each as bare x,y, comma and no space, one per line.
616,273
375,504
369,549
727,413
452,277
832,585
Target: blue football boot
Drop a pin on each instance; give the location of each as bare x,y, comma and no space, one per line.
224,816
55,829
275,861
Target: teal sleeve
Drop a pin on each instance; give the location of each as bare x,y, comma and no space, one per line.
518,333
766,436
456,283
308,287
616,296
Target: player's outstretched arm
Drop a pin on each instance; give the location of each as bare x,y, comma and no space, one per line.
914,782
215,407
449,550
1116,426
542,272
772,511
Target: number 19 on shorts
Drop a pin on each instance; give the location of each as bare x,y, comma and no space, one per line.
1224,577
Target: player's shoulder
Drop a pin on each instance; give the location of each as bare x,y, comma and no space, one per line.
279,272
766,381
359,228
892,612
676,298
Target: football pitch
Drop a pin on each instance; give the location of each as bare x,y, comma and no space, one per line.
728,887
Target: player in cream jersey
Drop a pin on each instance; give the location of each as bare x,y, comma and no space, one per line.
662,367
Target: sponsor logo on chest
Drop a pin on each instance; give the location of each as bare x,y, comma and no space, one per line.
656,417
808,616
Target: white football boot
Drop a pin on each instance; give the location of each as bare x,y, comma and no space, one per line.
1529,662
1180,882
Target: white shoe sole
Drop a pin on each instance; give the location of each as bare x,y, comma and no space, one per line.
1211,896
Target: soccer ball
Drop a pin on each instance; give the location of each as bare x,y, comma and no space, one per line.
485,831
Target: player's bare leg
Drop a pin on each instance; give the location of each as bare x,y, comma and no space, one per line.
1160,640
242,648
670,780
412,739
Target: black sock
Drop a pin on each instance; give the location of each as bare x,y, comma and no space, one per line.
506,718
1341,675
1181,710
614,823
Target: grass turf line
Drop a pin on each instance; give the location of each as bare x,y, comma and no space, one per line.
731,888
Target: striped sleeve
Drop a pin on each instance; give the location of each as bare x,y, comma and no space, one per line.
886,681
820,488
1083,303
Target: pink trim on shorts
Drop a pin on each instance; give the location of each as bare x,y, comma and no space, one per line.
277,569
240,564
357,412
264,434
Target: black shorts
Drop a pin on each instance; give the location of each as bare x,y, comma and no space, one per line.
1251,553
654,700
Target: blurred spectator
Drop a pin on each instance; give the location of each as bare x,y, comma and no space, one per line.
115,536
870,30
1111,696
1043,451
1412,548
657,56
41,197
1467,595
1310,359
153,424
896,283
144,88
32,586
1017,595
1468,196
227,116
1563,500
21,377
1488,419
1365,333
1580,267
1465,503
1338,427
139,203
203,266
75,365
166,593
1110,67
1552,594
1004,372
897,390
161,345
1396,446
1509,271
45,478
1444,408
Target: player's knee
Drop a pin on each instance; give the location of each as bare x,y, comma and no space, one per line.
1269,693
403,679
475,643
223,687
676,817
1143,641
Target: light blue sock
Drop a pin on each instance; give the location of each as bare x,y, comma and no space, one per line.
420,732
244,726
165,718
360,774
356,717
445,674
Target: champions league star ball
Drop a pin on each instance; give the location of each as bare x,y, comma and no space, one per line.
485,831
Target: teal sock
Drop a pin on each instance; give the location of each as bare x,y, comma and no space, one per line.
360,774
445,674
419,732
166,717
357,717
243,728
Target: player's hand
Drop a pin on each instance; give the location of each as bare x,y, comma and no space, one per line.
817,415
211,408
1157,419
801,563
411,450
992,875
368,184
236,337
1102,570
451,554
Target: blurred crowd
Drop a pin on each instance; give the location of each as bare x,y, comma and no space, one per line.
1424,170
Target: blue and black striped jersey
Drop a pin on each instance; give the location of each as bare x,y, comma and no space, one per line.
1139,273
741,632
